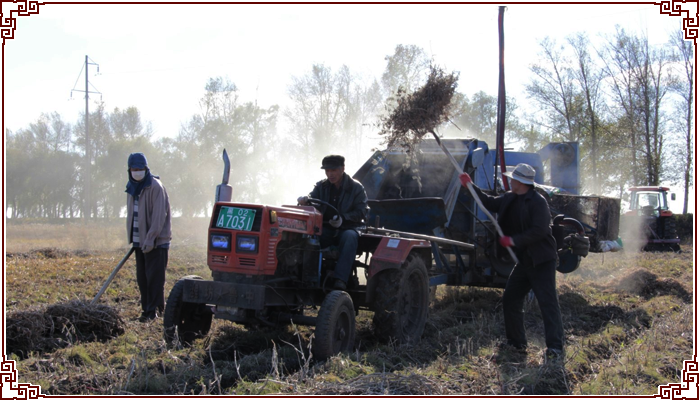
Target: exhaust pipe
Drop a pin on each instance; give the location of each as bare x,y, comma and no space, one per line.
224,192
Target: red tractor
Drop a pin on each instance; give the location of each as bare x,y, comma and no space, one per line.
269,269
649,216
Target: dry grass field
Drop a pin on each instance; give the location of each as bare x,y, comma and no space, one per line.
628,320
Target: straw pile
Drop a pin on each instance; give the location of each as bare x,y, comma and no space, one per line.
59,325
648,285
420,112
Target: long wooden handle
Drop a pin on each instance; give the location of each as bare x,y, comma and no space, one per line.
474,195
111,276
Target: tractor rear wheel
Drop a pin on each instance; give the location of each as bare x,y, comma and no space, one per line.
184,322
401,302
670,232
335,326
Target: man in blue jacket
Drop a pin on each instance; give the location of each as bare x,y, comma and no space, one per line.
524,217
148,229
348,196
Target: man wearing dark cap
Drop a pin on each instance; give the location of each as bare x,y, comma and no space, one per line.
148,229
348,196
524,217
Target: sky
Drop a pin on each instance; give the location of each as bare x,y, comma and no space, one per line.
158,58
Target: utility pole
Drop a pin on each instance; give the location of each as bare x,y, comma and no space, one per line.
87,206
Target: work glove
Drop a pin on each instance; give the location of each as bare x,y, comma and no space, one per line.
506,241
303,200
465,179
336,221
146,248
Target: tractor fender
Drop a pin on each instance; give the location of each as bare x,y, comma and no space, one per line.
391,253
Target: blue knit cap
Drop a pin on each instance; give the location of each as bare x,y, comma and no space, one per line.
137,160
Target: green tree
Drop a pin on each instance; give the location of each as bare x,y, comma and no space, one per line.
40,173
99,137
246,131
127,124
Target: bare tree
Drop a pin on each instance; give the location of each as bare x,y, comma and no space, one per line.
684,88
553,88
589,77
639,80
316,113
408,67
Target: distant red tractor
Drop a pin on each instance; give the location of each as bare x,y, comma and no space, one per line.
649,212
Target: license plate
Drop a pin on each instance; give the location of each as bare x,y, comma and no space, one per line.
234,218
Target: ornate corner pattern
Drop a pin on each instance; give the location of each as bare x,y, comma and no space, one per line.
677,388
11,22
9,386
676,11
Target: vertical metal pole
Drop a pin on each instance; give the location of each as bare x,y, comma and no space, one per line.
501,107
88,204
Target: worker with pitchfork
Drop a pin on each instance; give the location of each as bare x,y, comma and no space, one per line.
524,217
148,229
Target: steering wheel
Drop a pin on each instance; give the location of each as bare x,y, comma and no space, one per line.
321,202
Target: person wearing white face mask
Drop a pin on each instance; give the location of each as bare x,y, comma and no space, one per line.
148,230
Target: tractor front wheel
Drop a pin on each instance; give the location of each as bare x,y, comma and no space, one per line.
184,322
335,326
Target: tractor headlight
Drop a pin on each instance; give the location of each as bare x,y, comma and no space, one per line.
220,241
246,244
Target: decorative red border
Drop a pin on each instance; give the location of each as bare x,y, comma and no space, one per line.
11,23
13,390
675,11
677,388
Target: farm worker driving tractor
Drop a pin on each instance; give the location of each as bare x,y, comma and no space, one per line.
148,228
524,216
348,196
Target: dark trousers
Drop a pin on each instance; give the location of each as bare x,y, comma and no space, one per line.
150,276
346,240
541,279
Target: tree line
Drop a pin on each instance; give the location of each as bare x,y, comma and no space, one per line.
626,102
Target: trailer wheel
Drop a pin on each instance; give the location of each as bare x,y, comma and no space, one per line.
335,326
184,322
401,302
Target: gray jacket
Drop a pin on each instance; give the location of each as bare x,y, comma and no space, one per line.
154,215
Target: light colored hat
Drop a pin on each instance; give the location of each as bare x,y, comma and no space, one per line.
522,173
